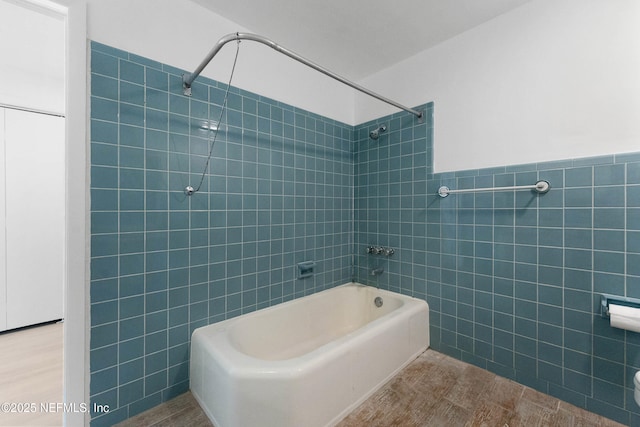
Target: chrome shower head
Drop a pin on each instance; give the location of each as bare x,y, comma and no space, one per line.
375,134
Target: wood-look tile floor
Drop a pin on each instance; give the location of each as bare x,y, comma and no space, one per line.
437,390
434,390
31,373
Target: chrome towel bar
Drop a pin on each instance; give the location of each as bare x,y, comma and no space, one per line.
540,187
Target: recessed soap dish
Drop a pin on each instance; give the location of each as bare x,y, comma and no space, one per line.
305,269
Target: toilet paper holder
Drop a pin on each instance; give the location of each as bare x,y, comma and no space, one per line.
606,299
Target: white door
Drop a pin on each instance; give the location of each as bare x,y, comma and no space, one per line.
35,204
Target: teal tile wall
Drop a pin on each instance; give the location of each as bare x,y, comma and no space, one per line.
390,184
512,278
278,191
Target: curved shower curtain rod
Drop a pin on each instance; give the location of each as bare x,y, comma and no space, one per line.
187,79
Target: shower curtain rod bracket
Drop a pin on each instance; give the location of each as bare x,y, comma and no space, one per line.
187,79
186,90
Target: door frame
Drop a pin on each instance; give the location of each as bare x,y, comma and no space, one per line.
76,324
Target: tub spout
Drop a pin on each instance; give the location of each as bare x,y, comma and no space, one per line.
377,271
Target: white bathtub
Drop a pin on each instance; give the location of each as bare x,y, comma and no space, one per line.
306,362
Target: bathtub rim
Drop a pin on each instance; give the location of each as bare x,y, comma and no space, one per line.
214,338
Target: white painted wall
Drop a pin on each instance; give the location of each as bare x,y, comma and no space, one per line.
31,52
553,79
180,33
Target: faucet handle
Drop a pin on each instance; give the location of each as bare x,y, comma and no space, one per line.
377,250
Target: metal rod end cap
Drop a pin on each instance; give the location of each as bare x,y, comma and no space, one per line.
542,187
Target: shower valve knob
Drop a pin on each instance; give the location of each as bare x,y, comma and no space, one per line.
379,250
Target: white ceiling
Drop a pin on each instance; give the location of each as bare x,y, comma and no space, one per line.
356,38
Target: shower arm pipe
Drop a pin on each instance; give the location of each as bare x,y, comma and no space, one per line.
187,79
